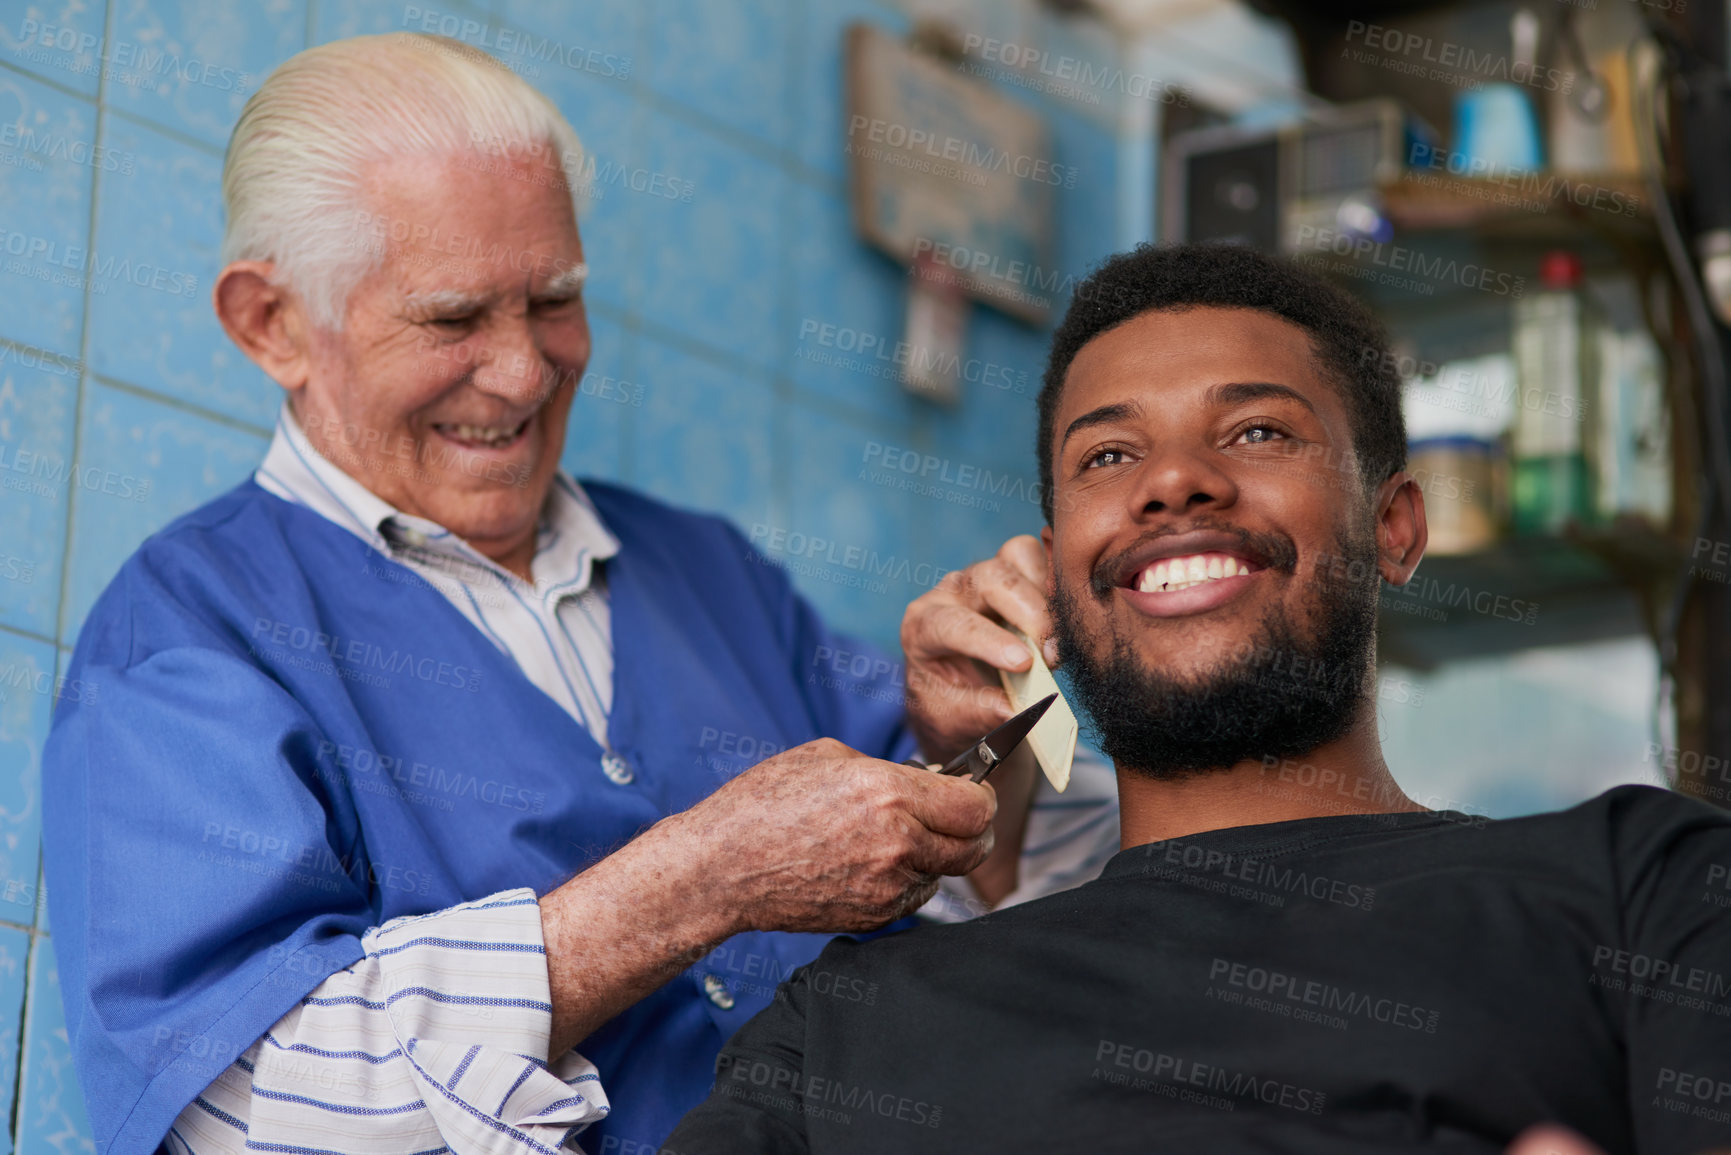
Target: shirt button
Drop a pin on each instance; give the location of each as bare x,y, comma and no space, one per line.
718,992
616,768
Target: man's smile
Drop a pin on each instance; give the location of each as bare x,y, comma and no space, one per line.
1179,574
483,437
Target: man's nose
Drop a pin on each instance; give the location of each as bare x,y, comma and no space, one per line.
1181,480
511,365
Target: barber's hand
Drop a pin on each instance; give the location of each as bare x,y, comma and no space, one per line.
1550,1139
954,645
823,838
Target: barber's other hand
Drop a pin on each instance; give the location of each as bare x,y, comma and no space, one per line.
954,645
823,838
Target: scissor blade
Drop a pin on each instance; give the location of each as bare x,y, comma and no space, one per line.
1010,735
979,759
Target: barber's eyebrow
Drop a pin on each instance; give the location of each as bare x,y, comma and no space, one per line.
566,282
1238,392
1104,415
444,301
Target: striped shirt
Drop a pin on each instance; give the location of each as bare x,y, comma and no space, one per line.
557,628
436,1040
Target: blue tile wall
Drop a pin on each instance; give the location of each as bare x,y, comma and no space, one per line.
47,197
14,960
598,431
60,40
815,102
738,331
50,1113
703,436
710,262
726,62
37,394
157,236
189,65
27,683
141,464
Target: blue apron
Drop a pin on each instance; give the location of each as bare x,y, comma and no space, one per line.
289,739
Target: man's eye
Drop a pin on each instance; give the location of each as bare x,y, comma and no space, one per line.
1258,434
453,324
555,304
1105,457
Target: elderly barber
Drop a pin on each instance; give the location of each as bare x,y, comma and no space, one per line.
407,773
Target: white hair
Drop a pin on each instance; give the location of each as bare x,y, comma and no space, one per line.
291,181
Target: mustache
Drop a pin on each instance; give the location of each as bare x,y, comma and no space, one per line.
1269,550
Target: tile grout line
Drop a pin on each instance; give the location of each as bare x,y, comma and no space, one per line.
172,133
27,1015
171,401
631,320
57,86
781,373
38,351
30,635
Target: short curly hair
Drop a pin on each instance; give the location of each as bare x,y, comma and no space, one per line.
1350,343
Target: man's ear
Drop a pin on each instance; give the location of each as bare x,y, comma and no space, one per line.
265,319
1046,540
1401,533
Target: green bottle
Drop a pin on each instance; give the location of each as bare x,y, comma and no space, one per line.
1556,348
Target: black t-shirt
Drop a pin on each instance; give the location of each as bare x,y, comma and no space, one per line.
1366,983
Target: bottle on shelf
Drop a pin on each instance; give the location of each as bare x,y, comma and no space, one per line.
1556,348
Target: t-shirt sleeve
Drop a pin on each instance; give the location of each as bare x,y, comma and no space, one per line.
1673,969
757,1104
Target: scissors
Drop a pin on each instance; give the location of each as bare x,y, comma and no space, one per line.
983,756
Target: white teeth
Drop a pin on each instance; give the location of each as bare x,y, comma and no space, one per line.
487,434
1168,575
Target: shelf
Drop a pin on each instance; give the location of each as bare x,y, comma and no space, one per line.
1541,207
1525,592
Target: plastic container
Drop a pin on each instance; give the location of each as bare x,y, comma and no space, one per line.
1457,476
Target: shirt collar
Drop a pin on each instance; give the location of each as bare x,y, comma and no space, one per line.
570,538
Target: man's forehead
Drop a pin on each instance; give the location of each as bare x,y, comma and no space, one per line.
450,237
457,203
1192,354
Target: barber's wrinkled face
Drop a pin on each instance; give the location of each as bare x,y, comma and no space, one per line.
447,390
1214,554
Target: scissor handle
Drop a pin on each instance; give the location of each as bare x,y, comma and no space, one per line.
976,763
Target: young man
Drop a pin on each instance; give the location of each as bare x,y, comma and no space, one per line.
1288,954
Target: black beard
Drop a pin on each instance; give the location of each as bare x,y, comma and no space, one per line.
1280,695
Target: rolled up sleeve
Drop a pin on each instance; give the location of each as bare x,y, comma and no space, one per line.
435,1039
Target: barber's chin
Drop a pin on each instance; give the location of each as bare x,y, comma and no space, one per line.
480,518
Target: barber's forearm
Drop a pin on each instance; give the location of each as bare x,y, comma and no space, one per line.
627,925
1015,782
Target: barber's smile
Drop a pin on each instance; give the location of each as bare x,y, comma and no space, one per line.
1183,574
485,438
